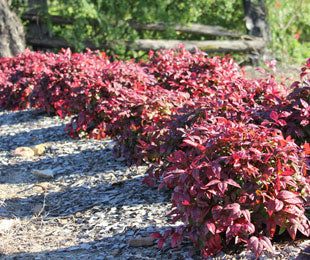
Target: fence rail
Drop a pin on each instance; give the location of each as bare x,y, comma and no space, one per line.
246,43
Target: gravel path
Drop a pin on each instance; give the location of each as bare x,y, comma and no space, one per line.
95,207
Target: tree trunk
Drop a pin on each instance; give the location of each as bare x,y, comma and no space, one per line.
255,19
12,36
256,25
37,28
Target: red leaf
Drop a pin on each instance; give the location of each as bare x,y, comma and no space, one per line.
194,144
274,205
288,173
60,113
255,246
233,183
176,239
191,143
278,205
304,103
156,235
289,197
222,186
307,148
213,182
211,226
282,122
247,215
270,207
274,115
267,244
234,209
185,202
161,243
271,226
292,230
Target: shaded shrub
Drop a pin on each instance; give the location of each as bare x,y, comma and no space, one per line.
19,76
235,180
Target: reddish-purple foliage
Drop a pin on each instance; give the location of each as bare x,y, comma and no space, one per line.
297,108
208,132
18,78
66,88
123,90
235,180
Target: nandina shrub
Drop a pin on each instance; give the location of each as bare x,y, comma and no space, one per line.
215,85
158,141
18,77
296,111
231,101
123,90
236,180
204,80
225,175
126,115
194,73
146,124
65,88
202,76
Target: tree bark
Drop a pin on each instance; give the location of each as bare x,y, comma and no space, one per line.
37,28
12,35
256,25
255,19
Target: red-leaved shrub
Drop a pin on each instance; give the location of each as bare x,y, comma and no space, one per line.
121,91
220,140
19,76
235,180
67,86
297,109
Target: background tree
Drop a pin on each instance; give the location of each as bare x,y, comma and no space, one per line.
12,36
257,26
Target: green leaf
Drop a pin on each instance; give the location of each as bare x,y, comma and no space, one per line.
281,231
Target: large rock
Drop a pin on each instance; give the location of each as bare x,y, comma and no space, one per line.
39,149
23,151
12,35
28,152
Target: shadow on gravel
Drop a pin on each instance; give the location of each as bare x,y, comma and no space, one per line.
115,247
78,162
90,183
23,116
33,137
72,200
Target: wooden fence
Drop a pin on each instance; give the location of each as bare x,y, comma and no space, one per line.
238,43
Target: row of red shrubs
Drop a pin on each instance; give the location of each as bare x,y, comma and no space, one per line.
222,141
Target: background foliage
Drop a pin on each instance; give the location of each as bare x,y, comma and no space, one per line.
290,29
107,22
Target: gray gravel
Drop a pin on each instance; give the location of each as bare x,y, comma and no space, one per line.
92,207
